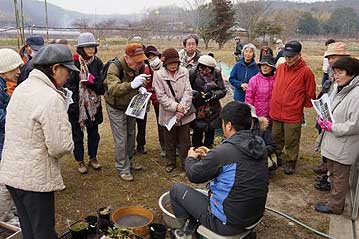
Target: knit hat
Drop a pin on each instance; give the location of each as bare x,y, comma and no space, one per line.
337,49
136,52
9,60
170,55
207,61
267,60
249,45
86,39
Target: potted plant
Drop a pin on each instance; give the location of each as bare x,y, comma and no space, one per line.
117,232
79,230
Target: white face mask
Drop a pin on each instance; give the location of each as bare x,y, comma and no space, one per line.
155,63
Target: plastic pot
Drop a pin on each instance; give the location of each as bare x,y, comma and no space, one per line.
157,231
79,230
92,221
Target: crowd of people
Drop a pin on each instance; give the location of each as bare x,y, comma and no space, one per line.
50,96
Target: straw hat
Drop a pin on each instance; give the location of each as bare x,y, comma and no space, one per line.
337,49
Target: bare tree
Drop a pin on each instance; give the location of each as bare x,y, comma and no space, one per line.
250,13
194,9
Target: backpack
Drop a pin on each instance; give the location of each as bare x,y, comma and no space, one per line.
107,65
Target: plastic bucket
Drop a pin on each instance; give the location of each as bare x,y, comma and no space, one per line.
157,231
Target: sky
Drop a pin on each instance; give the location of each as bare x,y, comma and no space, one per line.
119,6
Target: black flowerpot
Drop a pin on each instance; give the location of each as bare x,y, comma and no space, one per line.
92,221
79,230
104,213
157,231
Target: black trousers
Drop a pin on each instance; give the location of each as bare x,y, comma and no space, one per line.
93,139
189,203
197,137
160,129
141,131
36,211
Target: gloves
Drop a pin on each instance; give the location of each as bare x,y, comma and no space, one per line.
325,124
142,90
138,81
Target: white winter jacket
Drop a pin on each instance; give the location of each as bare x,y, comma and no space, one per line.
37,134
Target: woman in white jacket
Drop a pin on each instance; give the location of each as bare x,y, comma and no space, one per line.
340,138
38,134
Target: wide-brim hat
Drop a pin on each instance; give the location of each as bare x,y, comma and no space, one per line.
152,50
267,60
170,55
86,39
336,49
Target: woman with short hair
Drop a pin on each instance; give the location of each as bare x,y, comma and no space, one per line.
38,134
340,137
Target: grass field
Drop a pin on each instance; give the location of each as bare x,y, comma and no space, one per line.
295,195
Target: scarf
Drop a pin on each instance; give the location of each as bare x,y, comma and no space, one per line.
89,101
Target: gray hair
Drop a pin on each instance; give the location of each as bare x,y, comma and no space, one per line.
250,45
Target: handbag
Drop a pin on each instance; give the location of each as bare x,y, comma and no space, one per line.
191,110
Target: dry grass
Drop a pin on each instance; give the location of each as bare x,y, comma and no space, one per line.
295,195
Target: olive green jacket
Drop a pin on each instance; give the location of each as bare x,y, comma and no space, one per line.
118,92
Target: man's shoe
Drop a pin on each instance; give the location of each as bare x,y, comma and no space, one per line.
323,186
82,168
320,170
322,207
289,167
141,150
136,166
322,178
126,177
94,164
170,168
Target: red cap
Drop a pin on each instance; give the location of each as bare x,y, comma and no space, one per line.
136,52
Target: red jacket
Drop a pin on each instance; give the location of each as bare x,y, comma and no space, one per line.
294,87
148,86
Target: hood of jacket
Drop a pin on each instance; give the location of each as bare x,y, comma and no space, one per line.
248,143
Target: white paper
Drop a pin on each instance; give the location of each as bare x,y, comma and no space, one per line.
138,105
323,108
171,122
68,98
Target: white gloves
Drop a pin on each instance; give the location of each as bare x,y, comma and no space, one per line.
142,90
138,81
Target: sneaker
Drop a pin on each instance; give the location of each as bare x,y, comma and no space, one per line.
136,166
126,177
323,186
323,208
289,167
82,168
94,164
141,150
170,168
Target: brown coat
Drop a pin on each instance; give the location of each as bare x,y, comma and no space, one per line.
168,104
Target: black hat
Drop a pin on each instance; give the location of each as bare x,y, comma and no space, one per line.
55,54
35,42
292,48
152,50
267,60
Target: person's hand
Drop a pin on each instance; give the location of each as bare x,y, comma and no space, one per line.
208,95
202,151
180,108
325,124
138,81
244,86
179,116
192,153
142,90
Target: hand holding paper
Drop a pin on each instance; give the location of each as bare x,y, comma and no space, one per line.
325,124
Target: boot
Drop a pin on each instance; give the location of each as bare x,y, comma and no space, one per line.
289,167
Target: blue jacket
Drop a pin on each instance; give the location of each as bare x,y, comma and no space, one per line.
242,73
238,174
4,100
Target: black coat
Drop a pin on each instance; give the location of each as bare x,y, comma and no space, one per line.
25,71
217,93
72,84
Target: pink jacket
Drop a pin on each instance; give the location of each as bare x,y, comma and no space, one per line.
259,94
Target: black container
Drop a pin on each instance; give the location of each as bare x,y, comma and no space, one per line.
106,216
92,221
157,231
81,234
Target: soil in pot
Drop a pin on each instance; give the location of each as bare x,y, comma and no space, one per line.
79,230
104,213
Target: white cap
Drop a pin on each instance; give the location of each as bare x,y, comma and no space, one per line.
9,60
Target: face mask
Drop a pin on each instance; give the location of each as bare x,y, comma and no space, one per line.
155,63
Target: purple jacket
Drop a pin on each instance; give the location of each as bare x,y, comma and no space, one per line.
259,94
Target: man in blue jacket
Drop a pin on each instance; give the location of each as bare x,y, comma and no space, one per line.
238,175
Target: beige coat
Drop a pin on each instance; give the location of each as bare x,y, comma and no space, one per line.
38,133
168,104
341,144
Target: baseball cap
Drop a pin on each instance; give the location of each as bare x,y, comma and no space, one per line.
35,42
136,52
292,48
55,54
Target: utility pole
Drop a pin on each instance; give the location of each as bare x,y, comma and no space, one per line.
17,24
22,22
47,23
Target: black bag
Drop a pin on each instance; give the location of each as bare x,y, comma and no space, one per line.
107,65
191,110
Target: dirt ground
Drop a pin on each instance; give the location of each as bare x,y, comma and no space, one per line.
294,195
